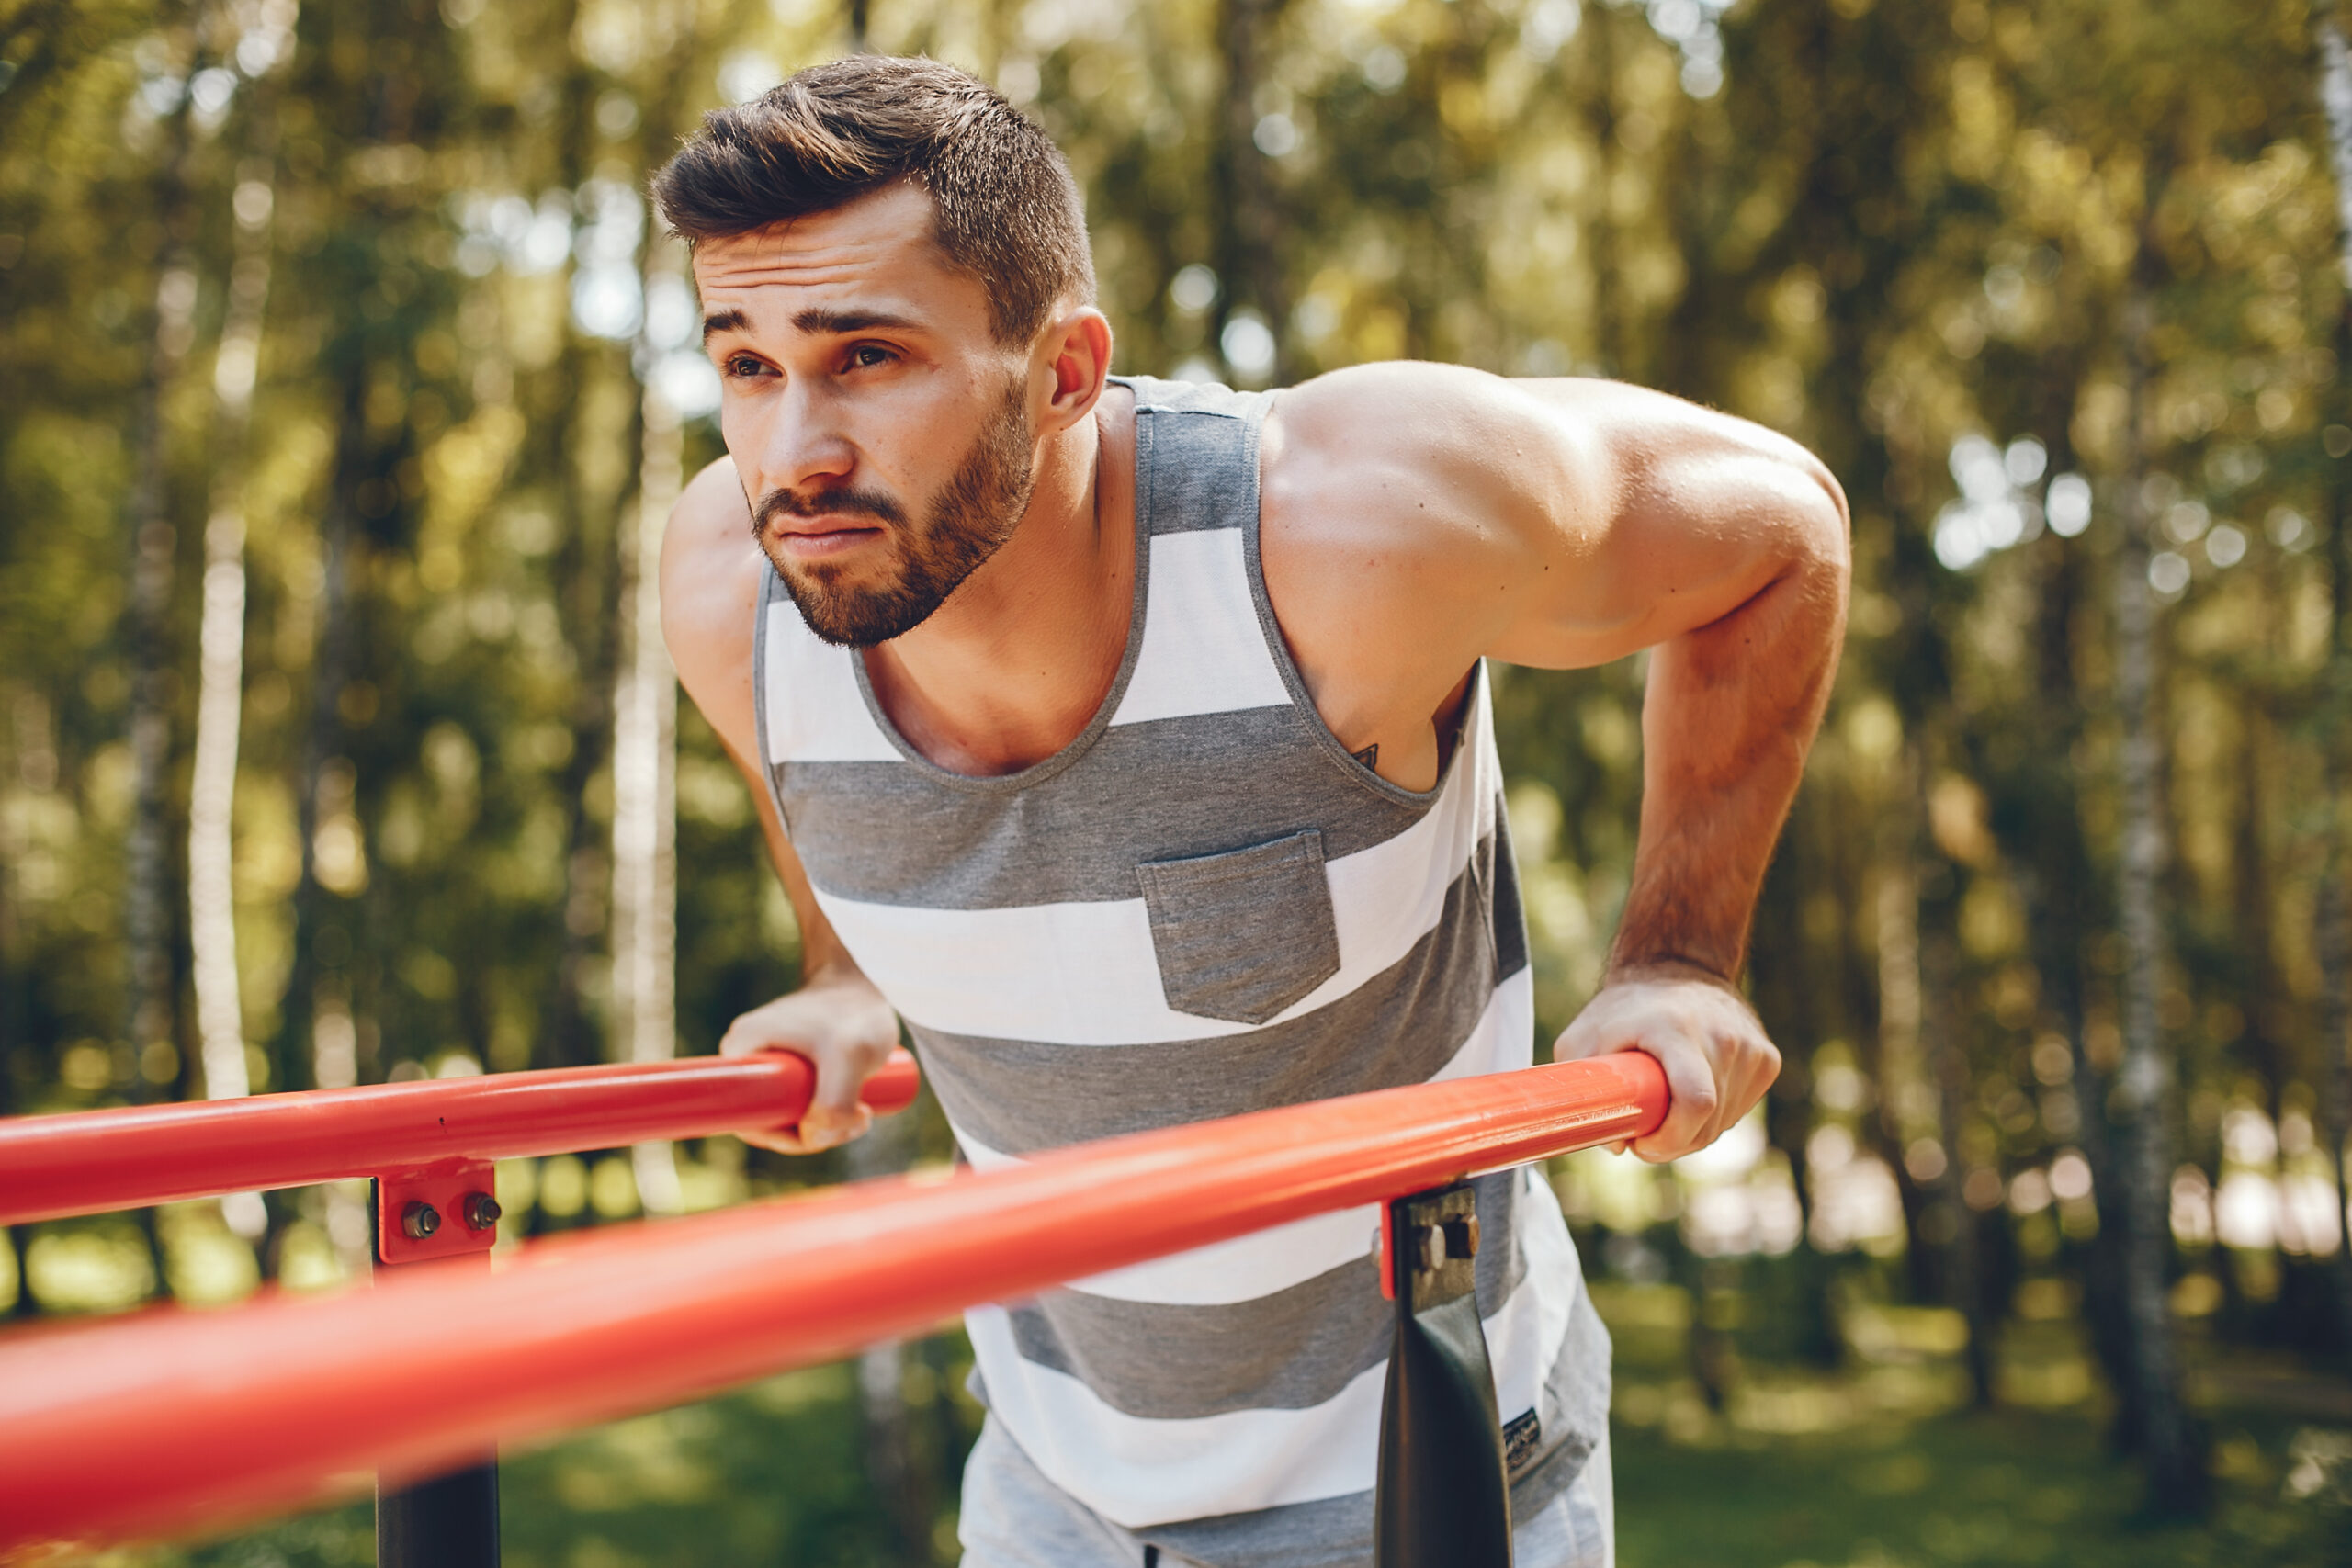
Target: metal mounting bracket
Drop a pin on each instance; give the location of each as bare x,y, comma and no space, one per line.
445,1210
1441,1236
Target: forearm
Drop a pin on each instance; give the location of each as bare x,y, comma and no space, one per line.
1729,714
824,959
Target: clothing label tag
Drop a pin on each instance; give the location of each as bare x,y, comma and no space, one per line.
1519,1437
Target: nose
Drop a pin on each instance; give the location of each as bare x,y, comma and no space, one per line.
802,445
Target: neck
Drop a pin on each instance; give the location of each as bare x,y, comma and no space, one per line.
1015,664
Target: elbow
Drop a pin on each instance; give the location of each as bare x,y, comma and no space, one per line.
1822,533
1815,540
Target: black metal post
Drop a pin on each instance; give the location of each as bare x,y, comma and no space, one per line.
450,1521
1443,1499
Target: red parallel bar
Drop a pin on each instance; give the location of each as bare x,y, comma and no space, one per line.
177,1420
88,1162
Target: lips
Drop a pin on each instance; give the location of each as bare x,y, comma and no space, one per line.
830,525
810,537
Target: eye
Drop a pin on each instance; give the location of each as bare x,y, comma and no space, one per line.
743,367
867,356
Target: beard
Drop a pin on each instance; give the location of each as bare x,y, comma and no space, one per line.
968,521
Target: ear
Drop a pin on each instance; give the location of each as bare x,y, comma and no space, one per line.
1074,354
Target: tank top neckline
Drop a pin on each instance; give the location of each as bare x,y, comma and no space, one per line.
1278,647
1046,767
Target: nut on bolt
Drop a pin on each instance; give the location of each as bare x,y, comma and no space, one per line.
419,1221
481,1211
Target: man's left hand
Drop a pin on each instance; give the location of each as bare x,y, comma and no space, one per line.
1718,1064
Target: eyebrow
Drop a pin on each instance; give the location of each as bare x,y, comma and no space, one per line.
815,320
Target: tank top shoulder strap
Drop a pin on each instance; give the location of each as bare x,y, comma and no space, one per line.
805,696
1196,455
1207,644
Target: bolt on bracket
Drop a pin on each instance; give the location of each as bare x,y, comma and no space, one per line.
1440,1232
445,1210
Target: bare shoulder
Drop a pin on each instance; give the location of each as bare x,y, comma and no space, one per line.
1421,425
1403,509
712,572
1435,475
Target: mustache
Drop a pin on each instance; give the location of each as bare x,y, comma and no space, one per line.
838,502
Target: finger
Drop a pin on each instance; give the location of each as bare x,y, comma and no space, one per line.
1749,1066
776,1140
835,1111
1693,1101
1576,1042
1767,1069
748,1034
824,1128
1755,1081
1596,1031
1692,1098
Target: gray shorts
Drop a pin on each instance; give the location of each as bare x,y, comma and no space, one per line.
1015,1517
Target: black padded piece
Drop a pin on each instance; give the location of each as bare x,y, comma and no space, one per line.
1444,1496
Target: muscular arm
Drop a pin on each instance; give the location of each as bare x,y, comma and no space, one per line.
1418,517
712,573
1721,547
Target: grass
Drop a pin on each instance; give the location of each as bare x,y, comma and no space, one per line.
1878,1463
2007,1487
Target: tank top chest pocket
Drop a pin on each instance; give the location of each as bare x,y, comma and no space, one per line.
1242,936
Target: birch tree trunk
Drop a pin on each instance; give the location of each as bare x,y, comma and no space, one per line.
645,814
2167,1438
2334,931
220,639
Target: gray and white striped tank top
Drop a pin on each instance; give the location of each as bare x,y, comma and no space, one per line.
1202,905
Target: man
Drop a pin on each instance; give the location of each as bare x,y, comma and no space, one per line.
1130,741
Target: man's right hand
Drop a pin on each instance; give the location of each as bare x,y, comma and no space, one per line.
840,1023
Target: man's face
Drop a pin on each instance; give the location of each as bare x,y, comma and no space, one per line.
881,433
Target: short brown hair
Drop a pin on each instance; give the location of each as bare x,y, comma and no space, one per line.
1004,207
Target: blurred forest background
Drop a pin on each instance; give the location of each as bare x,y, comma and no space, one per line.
345,380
